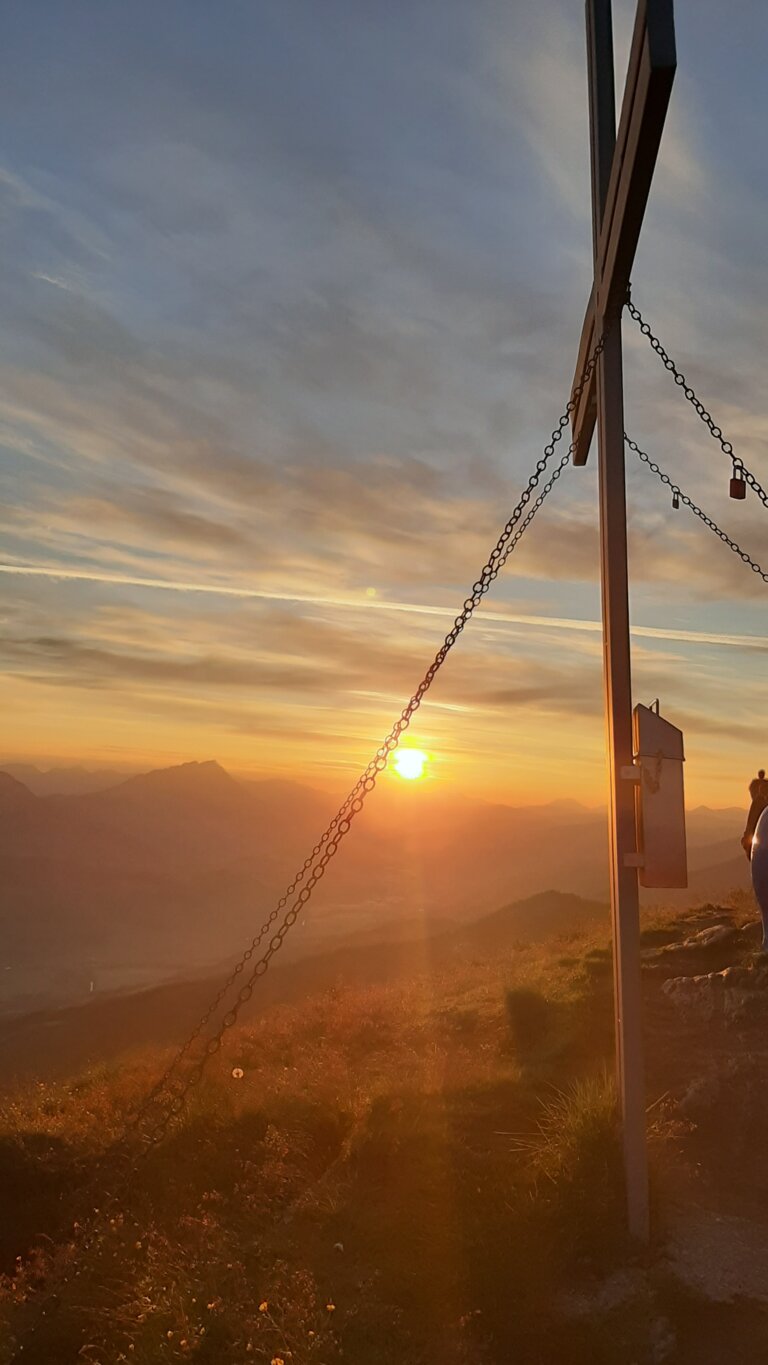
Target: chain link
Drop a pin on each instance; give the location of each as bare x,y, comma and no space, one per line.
171,1091
677,493
739,468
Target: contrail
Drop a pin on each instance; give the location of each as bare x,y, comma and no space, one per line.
490,617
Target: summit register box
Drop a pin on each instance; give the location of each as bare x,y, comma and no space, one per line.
660,800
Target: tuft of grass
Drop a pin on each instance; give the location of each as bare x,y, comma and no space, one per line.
576,1162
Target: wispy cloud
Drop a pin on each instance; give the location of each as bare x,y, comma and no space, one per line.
367,603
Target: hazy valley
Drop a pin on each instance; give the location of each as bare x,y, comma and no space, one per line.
168,874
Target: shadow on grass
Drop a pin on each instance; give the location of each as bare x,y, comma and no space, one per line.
556,1037
36,1171
472,1229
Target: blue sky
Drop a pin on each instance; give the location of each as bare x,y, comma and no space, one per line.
291,295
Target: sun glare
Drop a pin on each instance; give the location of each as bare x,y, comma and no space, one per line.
410,763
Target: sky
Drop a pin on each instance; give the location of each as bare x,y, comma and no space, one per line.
290,299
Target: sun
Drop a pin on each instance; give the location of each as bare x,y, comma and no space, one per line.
410,763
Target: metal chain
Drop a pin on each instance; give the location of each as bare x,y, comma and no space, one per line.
86,1236
739,468
678,494
327,846
184,1050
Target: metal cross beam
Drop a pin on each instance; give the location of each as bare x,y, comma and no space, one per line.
622,169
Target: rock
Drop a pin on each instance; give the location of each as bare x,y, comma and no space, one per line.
713,936
752,932
698,998
662,1341
701,1096
733,994
744,1004
746,992
708,938
737,1005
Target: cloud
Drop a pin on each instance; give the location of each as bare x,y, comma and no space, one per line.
152,517
488,619
300,662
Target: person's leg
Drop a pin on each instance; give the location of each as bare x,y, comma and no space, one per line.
760,872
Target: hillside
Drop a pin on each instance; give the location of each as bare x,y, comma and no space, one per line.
165,874
422,1171
52,1042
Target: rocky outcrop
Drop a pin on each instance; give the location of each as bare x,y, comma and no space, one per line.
733,994
714,936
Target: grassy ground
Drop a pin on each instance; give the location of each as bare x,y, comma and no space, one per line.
403,1174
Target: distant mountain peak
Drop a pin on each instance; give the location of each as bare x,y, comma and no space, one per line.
67,780
13,793
205,766
193,778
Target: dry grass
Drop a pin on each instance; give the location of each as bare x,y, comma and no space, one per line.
360,1193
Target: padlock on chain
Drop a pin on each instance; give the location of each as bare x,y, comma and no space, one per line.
738,489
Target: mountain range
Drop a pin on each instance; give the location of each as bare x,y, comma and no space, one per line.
169,873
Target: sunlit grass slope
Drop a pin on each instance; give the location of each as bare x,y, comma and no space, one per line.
400,1174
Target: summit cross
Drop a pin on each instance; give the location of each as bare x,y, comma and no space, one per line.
622,170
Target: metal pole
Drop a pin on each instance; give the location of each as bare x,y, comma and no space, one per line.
618,704
616,657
